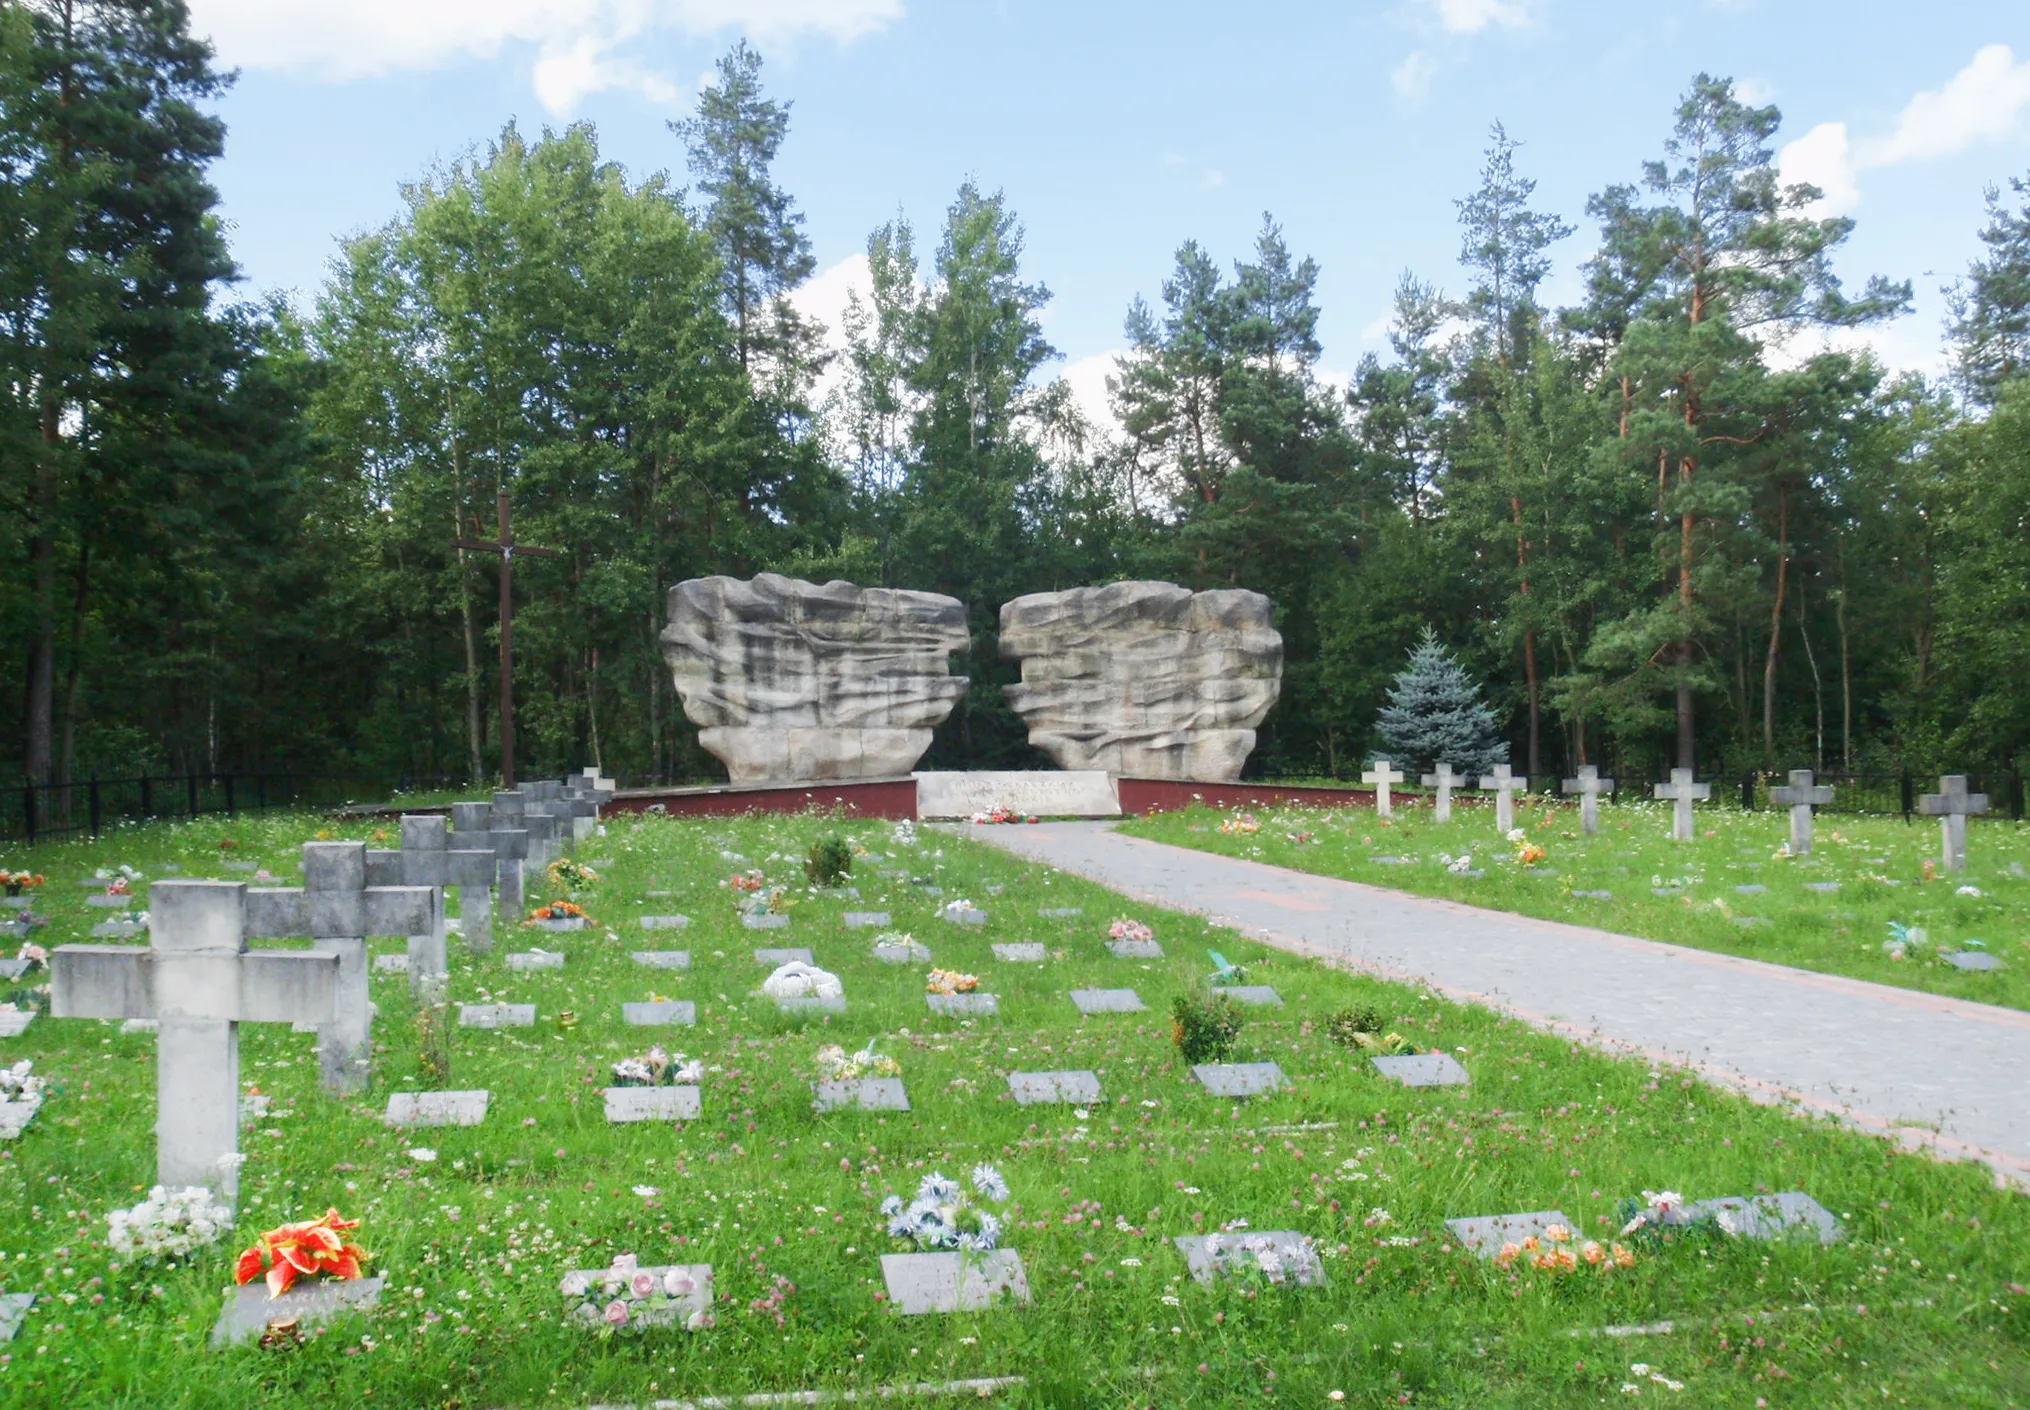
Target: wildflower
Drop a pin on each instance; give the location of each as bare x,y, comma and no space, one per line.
422,1154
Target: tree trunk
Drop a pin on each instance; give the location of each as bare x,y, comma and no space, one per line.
66,768
474,729
1522,566
37,752
1818,689
1775,630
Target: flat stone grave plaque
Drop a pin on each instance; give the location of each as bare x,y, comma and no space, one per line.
496,1015
1061,912
437,1108
17,903
902,954
765,922
1422,1069
626,1104
775,959
1260,994
110,903
1390,861
118,930
14,1022
1021,954
392,964
811,1004
866,1094
311,1302
1824,888
928,889
837,893
663,959
964,1005
660,1013
1594,895
1749,922
567,923
140,1025
667,1311
1666,891
535,959
13,969
597,862
1239,1079
1042,793
1486,1234
13,1312
1135,949
1790,1215
236,866
1973,959
661,895
861,920
1282,1255
1107,1001
1037,1088
15,1115
1753,888
953,1282
966,917
664,922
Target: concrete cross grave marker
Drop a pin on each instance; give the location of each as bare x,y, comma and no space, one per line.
508,825
428,859
1801,795
1952,805
198,982
1589,786
1681,793
1380,775
1444,781
1504,785
337,909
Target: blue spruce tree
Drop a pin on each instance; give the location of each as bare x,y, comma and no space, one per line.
1435,715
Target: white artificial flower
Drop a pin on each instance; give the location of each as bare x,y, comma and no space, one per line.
422,1154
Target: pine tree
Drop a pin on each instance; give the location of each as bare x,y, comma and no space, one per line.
1990,327
1435,715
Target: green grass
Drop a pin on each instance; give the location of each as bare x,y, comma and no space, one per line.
473,1244
1878,863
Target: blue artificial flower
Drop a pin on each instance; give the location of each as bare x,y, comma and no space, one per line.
892,1206
902,1226
987,1180
989,1232
938,1190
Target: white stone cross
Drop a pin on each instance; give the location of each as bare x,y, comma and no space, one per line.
1504,785
1800,796
1381,774
476,825
199,982
1953,804
510,814
1589,786
548,825
1680,792
1444,781
336,908
428,859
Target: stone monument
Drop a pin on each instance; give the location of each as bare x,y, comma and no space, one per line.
794,681
1149,680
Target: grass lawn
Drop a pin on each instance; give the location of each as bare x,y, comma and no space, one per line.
1727,890
1920,1305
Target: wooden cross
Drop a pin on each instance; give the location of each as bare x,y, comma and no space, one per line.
1679,793
1953,804
1589,786
1800,795
508,550
198,981
1381,774
1504,785
1444,781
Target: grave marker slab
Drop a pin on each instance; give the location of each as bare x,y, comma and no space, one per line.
1239,1079
115,930
1061,912
1973,959
812,1004
765,922
15,1115
1259,994
861,920
1753,888
310,1303
437,1108
560,923
1042,793
13,1312
1680,793
664,922
1824,888
496,1015
1422,1069
13,969
902,954
866,1094
1107,1001
1135,949
1487,1233
663,959
1444,781
1790,1215
535,959
1504,784
109,903
964,1005
1594,895
630,1104
660,1013
920,1283
1072,1088
1027,953
1379,776
775,959
972,916
14,1022
1589,786
140,1025
693,1297
1282,1255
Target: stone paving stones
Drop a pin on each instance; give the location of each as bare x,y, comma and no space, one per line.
659,1013
1034,1088
919,1283
1107,1001
662,959
1026,953
437,1108
1422,1069
310,1303
1487,1233
866,1094
1239,1079
631,1104
496,1015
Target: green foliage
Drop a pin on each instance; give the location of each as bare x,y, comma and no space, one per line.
1345,1026
830,860
1204,1027
1435,715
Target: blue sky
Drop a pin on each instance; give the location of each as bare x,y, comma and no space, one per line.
1119,128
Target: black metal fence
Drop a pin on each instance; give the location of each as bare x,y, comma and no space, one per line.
1885,795
34,813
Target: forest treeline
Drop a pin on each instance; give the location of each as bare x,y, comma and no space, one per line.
1662,525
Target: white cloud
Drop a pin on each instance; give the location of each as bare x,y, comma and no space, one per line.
1755,92
823,297
1412,77
1087,379
1472,16
1984,102
579,43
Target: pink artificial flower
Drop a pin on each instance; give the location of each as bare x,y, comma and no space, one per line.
643,1285
616,1313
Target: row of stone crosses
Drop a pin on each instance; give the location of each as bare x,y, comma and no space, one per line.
197,980
1952,804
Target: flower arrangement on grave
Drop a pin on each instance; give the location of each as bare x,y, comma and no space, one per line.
830,860
1240,825
26,922
903,834
168,1224
952,910
1903,939
746,880
950,981
1527,853
311,1248
835,1064
559,910
1554,1253
798,980
1240,1254
656,1068
34,956
19,1082
1133,930
633,1296
895,940
568,874
119,886
1660,1218
17,882
1204,1027
997,815
946,1215
1361,1028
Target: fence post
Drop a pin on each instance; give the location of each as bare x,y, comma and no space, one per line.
2016,794
230,811
28,811
147,798
1909,796
1748,792
260,793
93,809
193,793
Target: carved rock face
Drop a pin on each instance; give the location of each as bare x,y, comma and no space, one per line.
1149,680
793,681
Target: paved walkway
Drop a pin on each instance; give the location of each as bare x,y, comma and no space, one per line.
1935,1073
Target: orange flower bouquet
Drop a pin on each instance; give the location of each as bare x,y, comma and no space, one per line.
314,1246
559,910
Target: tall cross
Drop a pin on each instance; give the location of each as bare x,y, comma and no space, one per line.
199,982
1381,774
1589,786
1504,785
1952,804
1679,793
1444,781
508,550
1800,795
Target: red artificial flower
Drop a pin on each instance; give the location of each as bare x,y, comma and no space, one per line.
313,1246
